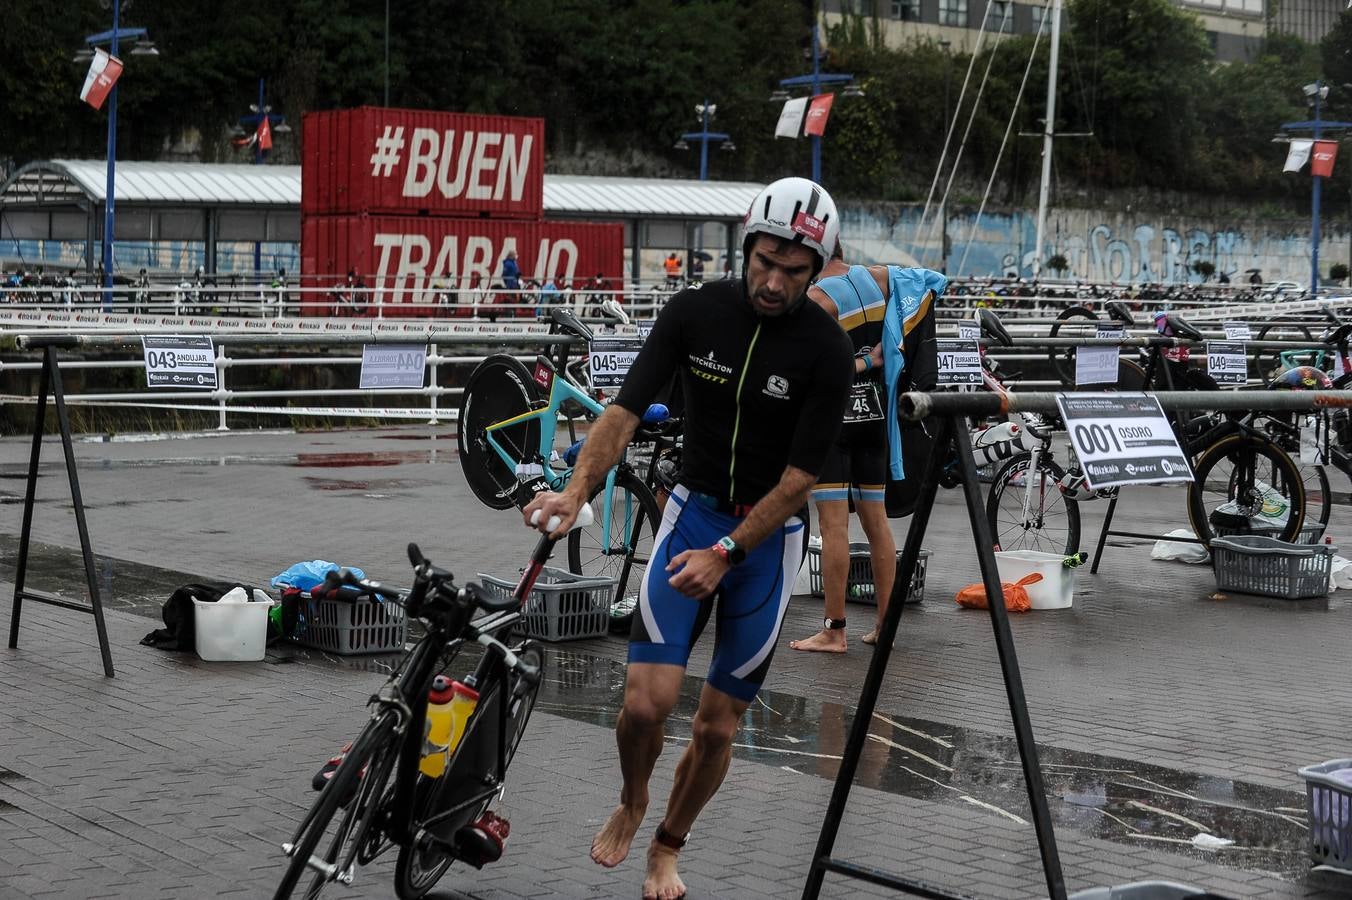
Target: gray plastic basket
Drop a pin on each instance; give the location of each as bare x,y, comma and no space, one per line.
859,585
1310,532
1329,812
1253,564
1141,890
351,627
561,606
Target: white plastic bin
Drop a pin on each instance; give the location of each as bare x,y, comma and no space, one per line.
1056,590
231,632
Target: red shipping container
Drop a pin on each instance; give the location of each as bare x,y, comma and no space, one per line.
422,162
415,261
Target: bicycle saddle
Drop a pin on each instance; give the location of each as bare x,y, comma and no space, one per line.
992,327
1177,326
1337,335
569,323
1119,311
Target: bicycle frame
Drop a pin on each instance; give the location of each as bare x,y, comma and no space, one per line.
561,390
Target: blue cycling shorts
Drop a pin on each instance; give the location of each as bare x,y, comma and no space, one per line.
751,598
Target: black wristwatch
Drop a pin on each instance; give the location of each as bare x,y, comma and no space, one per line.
730,551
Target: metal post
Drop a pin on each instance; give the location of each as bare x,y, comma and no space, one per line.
1314,200
704,143
263,115
220,388
816,89
1047,138
432,382
112,171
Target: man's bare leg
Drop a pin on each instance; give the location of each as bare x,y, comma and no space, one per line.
833,518
882,551
698,776
650,692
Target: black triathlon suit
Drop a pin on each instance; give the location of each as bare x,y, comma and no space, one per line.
761,393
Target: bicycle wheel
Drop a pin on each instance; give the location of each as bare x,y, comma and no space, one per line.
1051,523
1075,321
423,862
1270,361
1241,477
623,552
499,389
357,788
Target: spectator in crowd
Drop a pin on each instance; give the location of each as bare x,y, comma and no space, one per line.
672,266
697,270
511,274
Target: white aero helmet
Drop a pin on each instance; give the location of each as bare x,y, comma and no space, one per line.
797,210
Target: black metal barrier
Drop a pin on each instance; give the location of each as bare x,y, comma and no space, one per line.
949,411
51,383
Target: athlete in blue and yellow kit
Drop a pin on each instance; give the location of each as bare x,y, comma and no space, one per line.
766,377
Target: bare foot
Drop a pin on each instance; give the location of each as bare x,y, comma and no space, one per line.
662,882
871,638
832,641
611,844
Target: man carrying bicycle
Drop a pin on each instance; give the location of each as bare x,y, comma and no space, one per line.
765,376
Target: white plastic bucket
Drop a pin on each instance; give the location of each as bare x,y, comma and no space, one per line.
1056,590
231,632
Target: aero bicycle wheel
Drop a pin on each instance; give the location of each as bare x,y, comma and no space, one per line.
499,389
622,553
357,788
1074,321
1242,478
1027,509
472,767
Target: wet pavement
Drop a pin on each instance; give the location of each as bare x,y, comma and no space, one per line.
1163,711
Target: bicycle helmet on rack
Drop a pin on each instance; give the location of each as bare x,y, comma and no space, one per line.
798,210
1302,378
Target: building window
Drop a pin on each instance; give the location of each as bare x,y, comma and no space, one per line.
953,12
858,7
906,10
1002,16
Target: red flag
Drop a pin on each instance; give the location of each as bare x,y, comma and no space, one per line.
1321,161
817,114
264,134
103,74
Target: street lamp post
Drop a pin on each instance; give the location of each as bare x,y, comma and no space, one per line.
250,123
814,83
143,47
1314,93
705,111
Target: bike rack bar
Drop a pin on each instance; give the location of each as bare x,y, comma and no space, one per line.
916,405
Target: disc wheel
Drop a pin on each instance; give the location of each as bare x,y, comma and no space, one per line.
1242,477
623,552
423,862
1048,523
499,389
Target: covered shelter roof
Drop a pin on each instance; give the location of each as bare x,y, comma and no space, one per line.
648,197
63,181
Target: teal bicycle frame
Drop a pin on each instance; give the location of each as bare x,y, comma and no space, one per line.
561,390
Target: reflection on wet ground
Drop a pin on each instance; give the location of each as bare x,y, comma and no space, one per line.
1105,797
433,454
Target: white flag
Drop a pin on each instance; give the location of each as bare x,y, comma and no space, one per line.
103,73
1298,155
791,118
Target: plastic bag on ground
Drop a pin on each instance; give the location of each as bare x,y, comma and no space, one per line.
1016,597
1340,573
306,575
1180,550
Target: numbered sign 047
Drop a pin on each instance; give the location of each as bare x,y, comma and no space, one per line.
179,361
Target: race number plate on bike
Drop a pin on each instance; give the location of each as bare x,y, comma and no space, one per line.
1122,439
1098,364
866,403
959,361
610,360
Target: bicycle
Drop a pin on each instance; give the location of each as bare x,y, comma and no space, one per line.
434,821
506,431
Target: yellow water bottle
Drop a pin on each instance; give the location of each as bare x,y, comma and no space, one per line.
463,701
437,730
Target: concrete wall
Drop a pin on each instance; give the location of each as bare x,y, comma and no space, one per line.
1116,246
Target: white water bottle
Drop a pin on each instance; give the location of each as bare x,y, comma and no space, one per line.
997,434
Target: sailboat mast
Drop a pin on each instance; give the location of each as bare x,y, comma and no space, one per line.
1047,136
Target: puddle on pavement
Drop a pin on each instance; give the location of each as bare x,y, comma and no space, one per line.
1105,797
372,484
